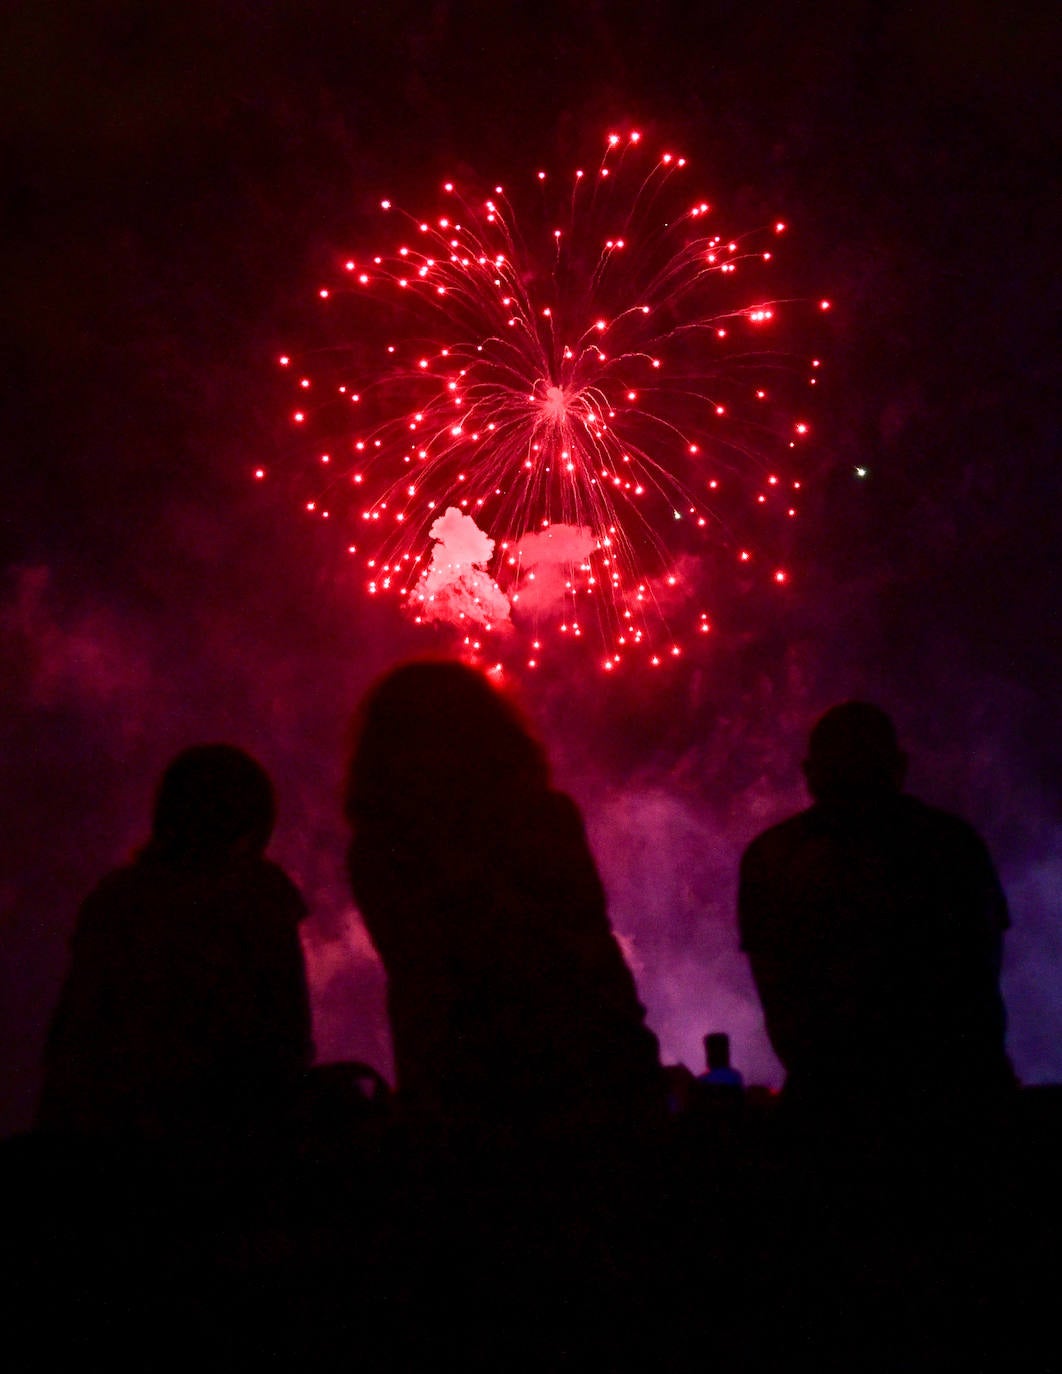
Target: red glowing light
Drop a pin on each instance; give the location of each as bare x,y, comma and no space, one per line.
520,418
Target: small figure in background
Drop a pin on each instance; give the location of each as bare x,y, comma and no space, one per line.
719,1073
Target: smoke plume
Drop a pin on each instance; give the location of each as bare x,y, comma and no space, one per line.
456,587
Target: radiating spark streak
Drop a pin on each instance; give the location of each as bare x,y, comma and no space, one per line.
589,376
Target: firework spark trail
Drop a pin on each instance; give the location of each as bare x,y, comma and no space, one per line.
581,390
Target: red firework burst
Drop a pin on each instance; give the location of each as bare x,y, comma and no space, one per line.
541,426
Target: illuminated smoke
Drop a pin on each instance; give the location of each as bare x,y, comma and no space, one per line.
455,587
545,560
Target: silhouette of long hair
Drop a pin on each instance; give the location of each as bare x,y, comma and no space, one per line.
508,996
434,735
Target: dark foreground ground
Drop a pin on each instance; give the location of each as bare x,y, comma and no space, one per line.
735,1241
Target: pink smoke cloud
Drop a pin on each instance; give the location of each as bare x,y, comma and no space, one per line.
545,558
455,587
62,656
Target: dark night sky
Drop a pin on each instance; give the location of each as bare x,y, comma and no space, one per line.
176,176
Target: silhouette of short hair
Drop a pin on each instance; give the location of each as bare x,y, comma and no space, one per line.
853,749
437,729
210,797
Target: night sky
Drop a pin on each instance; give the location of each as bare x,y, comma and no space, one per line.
177,179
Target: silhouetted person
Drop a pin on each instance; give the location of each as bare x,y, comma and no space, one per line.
874,926
511,1006
185,1009
719,1072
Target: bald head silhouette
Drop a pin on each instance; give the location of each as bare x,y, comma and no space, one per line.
853,754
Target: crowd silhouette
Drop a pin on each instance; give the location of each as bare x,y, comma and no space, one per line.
537,1191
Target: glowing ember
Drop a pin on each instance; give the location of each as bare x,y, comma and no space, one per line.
551,421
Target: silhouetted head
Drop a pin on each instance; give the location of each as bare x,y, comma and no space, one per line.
433,736
717,1050
212,798
853,753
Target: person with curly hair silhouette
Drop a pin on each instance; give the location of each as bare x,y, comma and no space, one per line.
512,1009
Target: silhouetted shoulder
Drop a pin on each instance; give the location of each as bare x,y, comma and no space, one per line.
958,845
281,894
765,866
254,890
183,977
835,851
111,895
781,838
